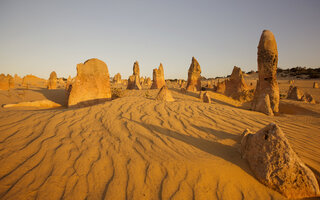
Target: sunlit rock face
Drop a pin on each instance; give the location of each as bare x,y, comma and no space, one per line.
194,72
267,67
91,84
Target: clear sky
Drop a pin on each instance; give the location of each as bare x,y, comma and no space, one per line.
38,37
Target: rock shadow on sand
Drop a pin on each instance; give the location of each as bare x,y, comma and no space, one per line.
56,95
225,152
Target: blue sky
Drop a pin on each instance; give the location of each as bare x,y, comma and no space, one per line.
38,37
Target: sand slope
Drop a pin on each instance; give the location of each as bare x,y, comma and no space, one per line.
138,148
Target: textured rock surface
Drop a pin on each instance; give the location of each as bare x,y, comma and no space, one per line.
117,78
267,67
30,80
164,94
148,81
205,97
276,165
194,82
142,81
91,84
158,78
294,93
6,82
236,87
134,80
221,87
134,83
136,69
52,81
69,82
308,98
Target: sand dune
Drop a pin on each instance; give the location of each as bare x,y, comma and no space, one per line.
138,148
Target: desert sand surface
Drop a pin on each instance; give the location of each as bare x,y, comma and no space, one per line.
135,147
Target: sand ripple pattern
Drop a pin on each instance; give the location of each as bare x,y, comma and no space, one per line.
137,148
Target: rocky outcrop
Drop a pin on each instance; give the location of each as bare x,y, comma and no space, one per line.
6,82
148,82
141,81
295,93
205,97
158,78
91,84
164,94
275,164
236,87
267,67
134,83
117,78
31,80
221,86
308,98
134,79
69,82
52,82
194,76
136,69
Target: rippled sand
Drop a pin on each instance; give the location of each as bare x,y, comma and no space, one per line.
138,148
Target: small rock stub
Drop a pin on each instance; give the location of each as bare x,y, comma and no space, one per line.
91,84
52,82
134,79
267,67
194,72
276,165
164,94
6,82
117,78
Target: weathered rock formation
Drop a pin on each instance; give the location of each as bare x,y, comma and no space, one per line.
141,81
209,85
6,82
267,67
136,69
69,82
30,80
134,83
148,82
134,80
52,81
294,93
17,79
315,85
158,78
205,97
275,164
194,81
117,78
236,87
221,86
164,94
308,98
91,84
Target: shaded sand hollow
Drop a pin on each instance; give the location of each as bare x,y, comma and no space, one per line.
138,148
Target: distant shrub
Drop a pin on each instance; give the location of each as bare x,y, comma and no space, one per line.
117,93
